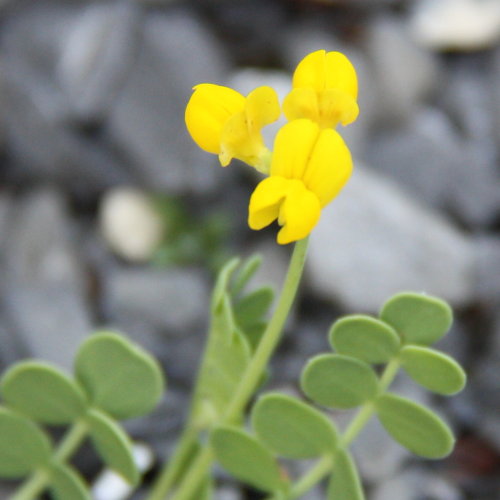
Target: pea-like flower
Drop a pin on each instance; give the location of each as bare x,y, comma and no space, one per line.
309,167
325,89
224,122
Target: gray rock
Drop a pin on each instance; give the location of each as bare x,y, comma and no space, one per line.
439,166
495,93
374,241
487,254
97,56
147,120
45,287
404,73
174,301
416,484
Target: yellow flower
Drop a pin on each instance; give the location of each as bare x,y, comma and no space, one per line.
325,89
224,122
309,167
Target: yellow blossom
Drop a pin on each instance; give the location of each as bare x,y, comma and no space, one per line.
325,89
309,167
224,122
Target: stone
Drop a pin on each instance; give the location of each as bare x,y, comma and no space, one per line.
146,121
487,255
130,225
45,282
465,25
97,56
429,158
404,74
416,484
173,301
374,240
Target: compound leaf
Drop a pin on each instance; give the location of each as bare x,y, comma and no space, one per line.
365,338
345,483
418,318
113,445
119,377
415,427
338,381
23,445
433,370
291,428
246,458
43,392
66,483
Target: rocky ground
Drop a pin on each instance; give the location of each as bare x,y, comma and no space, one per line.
91,124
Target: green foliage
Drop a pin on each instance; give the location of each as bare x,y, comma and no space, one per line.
345,483
433,370
365,338
113,445
43,393
237,323
66,483
190,239
118,376
246,458
291,428
418,318
23,446
414,426
338,381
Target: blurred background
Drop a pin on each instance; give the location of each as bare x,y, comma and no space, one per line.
111,217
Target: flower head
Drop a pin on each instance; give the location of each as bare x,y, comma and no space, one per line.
224,122
325,89
309,167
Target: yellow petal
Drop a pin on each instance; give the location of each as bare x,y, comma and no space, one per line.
336,106
265,201
208,110
262,108
321,70
301,103
329,166
299,213
292,148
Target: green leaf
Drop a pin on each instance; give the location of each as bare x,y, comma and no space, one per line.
118,376
345,483
245,458
222,283
432,369
113,445
250,311
365,338
206,489
414,426
338,381
248,269
418,318
23,445
292,428
227,356
66,483
43,392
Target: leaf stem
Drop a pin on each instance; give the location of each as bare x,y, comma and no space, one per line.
39,480
254,371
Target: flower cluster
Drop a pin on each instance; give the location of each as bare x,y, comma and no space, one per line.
309,164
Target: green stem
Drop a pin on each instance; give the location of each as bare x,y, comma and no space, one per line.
39,480
254,371
170,472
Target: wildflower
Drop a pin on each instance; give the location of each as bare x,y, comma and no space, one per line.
224,122
325,90
309,167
